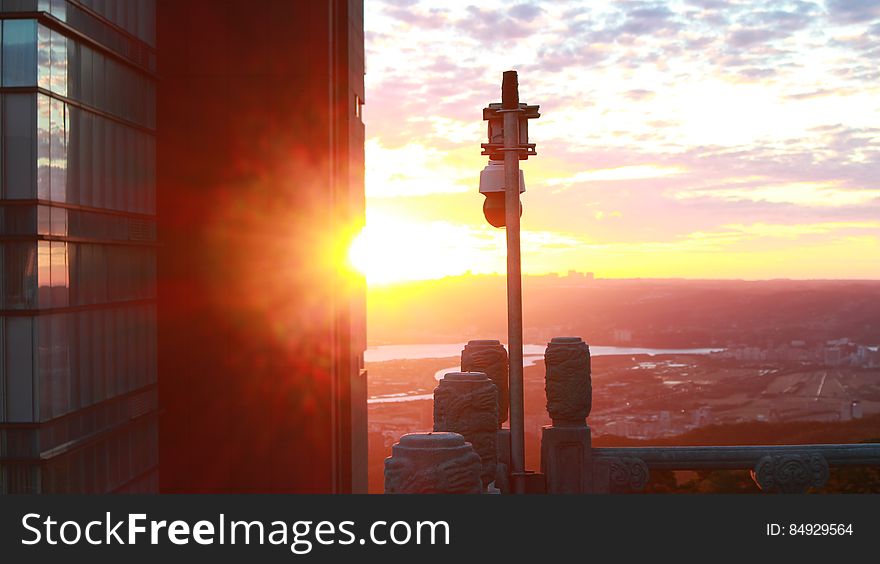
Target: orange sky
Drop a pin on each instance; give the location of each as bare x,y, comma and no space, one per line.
676,139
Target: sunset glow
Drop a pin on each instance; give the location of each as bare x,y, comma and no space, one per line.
676,140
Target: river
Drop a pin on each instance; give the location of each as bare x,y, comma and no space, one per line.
531,354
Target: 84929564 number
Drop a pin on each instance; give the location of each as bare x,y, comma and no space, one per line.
823,529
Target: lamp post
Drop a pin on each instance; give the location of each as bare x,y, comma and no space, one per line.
508,142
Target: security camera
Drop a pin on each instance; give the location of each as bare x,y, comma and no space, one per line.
492,186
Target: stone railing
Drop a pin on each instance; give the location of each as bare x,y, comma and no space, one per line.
472,453
782,468
571,465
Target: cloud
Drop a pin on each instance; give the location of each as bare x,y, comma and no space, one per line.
648,18
494,25
525,12
853,11
636,172
433,18
639,94
812,194
686,118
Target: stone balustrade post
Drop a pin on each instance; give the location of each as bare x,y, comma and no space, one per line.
433,463
467,403
490,357
566,446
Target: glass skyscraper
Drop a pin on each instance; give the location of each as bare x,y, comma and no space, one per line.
78,368
178,181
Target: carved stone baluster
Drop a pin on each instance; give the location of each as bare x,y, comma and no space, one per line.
433,463
794,472
467,403
566,446
489,357
568,385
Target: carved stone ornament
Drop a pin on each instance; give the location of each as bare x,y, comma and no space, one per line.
467,403
567,382
791,472
627,474
490,358
433,463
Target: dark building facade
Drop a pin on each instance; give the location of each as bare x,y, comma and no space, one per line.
179,182
260,168
78,394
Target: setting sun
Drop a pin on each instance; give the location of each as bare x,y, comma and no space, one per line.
393,249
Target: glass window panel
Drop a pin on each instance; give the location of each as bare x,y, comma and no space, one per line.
44,366
60,280
111,148
110,351
59,9
44,274
131,16
20,275
141,343
19,52
86,76
59,354
84,334
74,149
19,5
59,63
98,156
85,274
110,100
98,79
151,104
19,360
142,21
73,276
86,143
74,86
151,174
98,344
130,184
44,57
110,11
19,146
58,150
153,350
101,267
59,222
75,352
44,147
20,220
44,220
119,167
141,180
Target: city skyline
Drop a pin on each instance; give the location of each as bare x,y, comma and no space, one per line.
676,139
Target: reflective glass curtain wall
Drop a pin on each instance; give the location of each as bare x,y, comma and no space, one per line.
77,246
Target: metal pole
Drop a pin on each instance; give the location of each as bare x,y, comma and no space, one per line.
510,103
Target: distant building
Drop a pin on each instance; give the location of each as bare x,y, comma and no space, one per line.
856,409
701,416
622,336
832,356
